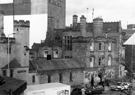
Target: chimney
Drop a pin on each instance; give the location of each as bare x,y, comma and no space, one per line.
98,26
75,18
83,25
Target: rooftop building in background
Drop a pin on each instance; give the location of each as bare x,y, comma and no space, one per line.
131,26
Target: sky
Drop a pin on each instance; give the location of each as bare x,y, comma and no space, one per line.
109,10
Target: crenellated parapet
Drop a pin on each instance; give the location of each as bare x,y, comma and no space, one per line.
21,23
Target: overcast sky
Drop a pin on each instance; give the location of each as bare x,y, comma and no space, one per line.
110,10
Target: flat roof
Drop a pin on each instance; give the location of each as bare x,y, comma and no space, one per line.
44,86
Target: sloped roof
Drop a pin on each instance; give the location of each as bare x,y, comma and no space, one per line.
15,85
13,64
55,64
131,40
107,27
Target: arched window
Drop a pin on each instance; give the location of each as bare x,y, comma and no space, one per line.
92,61
92,46
45,53
55,53
109,60
100,46
109,46
99,62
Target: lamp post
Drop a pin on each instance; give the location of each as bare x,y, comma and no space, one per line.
8,52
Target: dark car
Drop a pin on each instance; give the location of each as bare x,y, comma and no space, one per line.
98,89
76,91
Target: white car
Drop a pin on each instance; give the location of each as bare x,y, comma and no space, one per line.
126,85
117,86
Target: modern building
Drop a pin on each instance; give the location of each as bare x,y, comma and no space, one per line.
128,38
131,26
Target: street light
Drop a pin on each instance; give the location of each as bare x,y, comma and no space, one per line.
8,52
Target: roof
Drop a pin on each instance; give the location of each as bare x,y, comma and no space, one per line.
128,33
130,41
44,86
55,64
15,85
13,64
107,27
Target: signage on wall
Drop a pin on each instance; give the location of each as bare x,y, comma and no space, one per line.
63,92
21,71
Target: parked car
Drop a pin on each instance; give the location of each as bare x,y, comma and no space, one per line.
98,89
117,86
76,91
126,85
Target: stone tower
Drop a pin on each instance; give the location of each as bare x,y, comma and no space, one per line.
98,27
21,28
56,16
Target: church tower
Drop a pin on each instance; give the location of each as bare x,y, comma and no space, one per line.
56,16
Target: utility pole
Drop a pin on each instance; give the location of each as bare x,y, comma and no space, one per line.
87,13
92,14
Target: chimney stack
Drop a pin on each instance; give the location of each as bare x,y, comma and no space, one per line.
75,18
83,25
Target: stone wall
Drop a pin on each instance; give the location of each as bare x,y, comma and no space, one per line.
77,77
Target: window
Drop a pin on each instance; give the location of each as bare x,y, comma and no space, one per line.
100,46
92,46
60,78
55,53
11,72
49,78
109,60
45,53
120,71
9,49
91,61
68,42
99,61
109,47
33,79
4,72
71,79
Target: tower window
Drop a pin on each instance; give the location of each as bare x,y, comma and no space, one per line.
100,46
